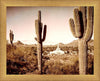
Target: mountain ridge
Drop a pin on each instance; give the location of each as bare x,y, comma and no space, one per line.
74,43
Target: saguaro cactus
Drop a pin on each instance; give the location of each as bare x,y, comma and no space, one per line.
11,35
39,39
82,28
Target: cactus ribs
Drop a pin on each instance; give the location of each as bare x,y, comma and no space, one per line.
82,28
39,39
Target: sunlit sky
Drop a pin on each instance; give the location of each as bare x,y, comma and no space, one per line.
22,21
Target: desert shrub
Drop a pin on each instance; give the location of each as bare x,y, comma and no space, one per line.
58,67
90,69
23,60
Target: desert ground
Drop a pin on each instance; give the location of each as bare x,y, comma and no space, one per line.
22,59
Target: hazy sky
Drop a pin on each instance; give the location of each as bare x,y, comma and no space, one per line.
22,21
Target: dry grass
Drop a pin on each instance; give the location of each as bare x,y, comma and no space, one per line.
22,59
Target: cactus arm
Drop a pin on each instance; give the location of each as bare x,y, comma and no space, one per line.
36,26
89,30
10,36
44,32
38,30
72,26
77,23
83,11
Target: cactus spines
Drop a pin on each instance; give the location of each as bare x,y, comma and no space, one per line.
44,32
11,35
72,26
83,17
90,19
77,23
40,39
83,11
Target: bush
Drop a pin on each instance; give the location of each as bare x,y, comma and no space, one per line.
23,60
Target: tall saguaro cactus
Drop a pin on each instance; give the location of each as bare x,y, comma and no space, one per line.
11,35
82,28
39,39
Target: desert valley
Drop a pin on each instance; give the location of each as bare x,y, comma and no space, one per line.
22,59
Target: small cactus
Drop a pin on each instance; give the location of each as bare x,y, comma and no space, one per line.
82,28
39,39
11,35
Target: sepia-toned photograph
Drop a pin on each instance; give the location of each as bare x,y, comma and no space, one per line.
50,40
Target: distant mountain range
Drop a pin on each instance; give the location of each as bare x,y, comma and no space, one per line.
73,43
18,43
